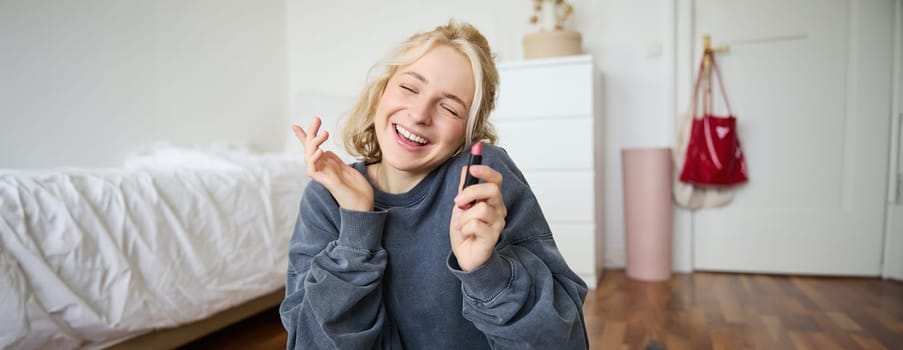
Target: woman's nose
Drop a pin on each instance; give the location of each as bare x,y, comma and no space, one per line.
421,110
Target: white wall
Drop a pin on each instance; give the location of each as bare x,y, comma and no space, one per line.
333,44
627,40
84,83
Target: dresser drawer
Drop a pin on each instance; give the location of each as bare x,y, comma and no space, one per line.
565,196
545,91
563,144
546,119
576,242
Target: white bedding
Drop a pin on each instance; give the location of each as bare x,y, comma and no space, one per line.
91,256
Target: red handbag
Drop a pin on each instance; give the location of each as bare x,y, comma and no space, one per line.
714,156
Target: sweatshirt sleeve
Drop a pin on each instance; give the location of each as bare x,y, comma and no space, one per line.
334,284
525,296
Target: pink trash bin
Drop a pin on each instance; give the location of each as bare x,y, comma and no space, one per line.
648,218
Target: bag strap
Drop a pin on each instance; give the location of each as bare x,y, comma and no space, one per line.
699,85
707,129
707,91
720,83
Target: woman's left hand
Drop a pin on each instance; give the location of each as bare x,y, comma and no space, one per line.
478,218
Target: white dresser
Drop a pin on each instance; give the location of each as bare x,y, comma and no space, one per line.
549,123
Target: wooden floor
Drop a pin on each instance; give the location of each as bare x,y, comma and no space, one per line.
737,311
699,311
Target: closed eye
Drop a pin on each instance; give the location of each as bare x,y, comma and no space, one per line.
411,90
450,110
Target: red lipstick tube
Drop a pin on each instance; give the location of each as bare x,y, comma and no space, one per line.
476,157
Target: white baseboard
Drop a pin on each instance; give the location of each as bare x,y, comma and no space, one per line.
614,257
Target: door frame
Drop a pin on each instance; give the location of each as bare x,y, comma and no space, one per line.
891,258
678,55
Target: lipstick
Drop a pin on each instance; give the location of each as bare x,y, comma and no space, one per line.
476,157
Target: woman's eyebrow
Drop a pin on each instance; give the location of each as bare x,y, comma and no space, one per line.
423,79
417,76
455,98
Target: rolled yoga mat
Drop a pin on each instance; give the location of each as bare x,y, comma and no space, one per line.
648,212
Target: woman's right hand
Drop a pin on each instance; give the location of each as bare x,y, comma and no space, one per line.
351,190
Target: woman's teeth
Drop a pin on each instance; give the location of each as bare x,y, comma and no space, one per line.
408,135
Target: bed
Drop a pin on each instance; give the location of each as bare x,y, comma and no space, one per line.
159,251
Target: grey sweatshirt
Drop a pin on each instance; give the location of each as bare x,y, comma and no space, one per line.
387,279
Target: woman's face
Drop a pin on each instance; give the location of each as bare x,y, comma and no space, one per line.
421,117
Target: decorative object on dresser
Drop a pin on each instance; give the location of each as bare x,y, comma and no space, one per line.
552,39
548,122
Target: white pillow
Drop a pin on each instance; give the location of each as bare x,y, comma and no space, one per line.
162,155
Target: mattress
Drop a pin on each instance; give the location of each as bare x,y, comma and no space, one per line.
88,256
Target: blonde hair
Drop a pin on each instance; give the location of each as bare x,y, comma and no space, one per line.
359,134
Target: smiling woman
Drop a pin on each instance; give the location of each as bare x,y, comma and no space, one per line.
381,243
419,121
